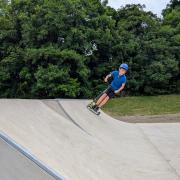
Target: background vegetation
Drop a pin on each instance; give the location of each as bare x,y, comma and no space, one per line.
65,48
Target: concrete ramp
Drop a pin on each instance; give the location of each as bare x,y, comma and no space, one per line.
15,166
79,145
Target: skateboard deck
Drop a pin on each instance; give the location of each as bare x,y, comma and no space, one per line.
90,109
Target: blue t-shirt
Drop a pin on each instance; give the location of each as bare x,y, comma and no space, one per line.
118,80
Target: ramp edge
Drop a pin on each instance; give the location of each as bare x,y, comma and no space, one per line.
70,118
30,156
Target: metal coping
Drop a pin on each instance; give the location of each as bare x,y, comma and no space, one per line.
30,156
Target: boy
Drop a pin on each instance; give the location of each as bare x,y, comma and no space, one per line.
117,85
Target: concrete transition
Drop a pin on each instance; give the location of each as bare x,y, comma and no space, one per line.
61,139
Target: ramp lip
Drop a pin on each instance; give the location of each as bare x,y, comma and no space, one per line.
30,156
70,118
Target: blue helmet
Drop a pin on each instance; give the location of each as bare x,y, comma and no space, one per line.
124,66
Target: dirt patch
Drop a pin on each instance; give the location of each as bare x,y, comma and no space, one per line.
169,118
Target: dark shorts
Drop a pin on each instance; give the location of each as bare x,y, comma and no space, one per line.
110,92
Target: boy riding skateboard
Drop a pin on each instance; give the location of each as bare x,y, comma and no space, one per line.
116,86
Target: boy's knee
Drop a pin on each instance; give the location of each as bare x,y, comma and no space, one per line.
107,97
104,95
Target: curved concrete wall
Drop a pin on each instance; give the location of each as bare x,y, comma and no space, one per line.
80,145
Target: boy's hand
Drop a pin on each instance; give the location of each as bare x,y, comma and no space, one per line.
106,78
116,92
120,89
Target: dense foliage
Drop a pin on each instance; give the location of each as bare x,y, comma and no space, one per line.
65,48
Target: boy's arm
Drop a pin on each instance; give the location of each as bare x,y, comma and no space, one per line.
107,77
120,89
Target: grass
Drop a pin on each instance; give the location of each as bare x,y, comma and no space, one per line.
143,105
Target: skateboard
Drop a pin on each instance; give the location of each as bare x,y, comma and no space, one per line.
89,106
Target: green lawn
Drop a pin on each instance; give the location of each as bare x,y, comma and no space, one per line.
143,105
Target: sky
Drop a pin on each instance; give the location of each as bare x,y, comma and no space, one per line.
156,6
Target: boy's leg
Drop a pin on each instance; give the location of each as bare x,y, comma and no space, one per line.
109,94
103,96
101,99
104,101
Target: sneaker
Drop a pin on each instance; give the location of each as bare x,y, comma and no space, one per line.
96,109
91,105
94,106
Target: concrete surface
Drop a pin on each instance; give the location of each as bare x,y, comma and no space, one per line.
166,138
82,146
15,166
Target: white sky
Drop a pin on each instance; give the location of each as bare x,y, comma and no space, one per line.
156,6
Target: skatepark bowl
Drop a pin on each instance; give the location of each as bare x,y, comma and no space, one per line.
61,139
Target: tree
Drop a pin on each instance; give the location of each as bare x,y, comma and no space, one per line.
64,48
171,31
